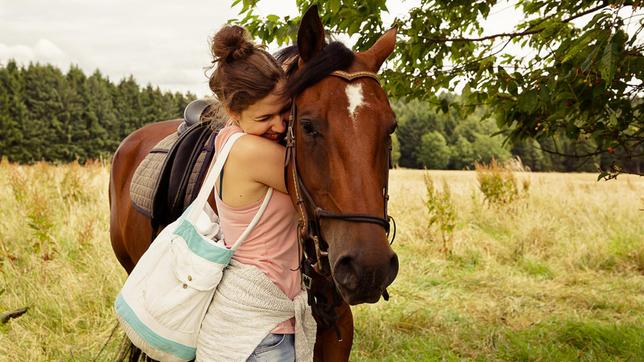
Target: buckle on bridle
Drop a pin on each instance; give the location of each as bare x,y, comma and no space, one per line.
290,137
307,281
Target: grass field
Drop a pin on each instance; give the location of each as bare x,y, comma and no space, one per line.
556,275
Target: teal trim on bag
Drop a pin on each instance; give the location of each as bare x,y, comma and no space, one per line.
156,341
202,247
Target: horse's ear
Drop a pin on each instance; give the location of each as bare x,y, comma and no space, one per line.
310,37
382,48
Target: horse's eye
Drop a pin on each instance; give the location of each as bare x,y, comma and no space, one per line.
308,127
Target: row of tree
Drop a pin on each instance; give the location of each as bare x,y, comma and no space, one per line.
427,138
49,115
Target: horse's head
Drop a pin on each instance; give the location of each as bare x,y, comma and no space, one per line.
341,133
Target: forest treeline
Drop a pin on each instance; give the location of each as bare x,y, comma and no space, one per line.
49,115
430,138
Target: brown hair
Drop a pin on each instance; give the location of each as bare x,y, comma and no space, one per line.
244,72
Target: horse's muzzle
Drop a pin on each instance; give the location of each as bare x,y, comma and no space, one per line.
362,278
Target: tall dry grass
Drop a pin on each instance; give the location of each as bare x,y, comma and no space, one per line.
56,259
555,275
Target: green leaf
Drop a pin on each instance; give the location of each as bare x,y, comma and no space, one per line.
466,91
607,62
444,105
528,101
334,6
512,88
582,44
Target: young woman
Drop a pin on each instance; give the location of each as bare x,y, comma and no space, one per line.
259,311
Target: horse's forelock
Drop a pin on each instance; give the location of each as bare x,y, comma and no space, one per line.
334,56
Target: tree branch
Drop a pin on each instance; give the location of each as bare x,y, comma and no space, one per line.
6,316
541,148
591,154
516,34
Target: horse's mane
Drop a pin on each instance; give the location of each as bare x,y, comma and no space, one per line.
334,56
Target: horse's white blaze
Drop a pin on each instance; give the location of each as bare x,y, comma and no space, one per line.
354,95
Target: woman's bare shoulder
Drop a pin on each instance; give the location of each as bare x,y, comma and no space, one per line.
251,147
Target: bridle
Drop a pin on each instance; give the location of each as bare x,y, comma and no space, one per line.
314,256
309,225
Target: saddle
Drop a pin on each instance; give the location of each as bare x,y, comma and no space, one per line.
164,183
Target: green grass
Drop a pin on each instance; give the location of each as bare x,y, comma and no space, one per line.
573,341
556,275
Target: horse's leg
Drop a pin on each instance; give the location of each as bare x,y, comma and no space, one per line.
116,237
327,346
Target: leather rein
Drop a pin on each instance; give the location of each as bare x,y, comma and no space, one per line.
314,256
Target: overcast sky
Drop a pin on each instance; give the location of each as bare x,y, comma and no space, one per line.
161,42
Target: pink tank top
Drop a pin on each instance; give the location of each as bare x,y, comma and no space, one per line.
272,245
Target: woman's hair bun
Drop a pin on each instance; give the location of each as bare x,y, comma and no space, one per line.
231,43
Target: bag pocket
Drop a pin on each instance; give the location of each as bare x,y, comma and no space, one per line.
180,294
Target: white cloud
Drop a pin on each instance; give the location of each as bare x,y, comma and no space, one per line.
43,51
47,50
20,53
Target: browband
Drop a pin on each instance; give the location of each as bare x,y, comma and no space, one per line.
351,76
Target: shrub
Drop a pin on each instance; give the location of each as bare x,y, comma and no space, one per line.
73,184
441,212
19,184
497,183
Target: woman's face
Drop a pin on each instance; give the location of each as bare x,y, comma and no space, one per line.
267,117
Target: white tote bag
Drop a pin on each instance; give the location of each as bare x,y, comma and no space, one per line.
164,299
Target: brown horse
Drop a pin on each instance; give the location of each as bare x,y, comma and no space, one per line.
338,160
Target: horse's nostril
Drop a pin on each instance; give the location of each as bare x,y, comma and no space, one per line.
345,273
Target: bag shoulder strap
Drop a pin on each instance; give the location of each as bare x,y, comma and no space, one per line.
209,183
211,178
255,220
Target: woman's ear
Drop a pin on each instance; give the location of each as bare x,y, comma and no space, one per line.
234,116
